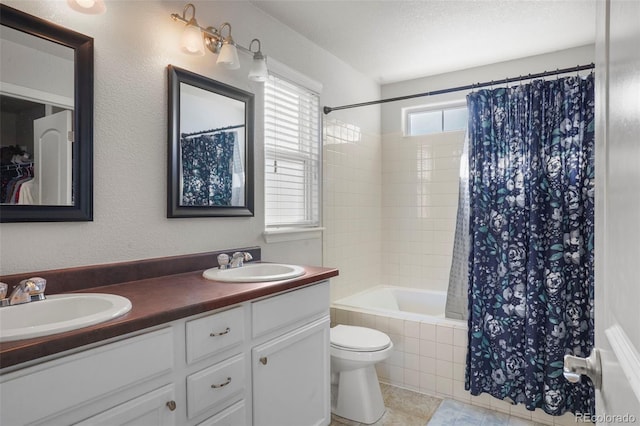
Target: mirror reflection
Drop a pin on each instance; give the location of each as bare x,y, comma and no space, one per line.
46,120
212,151
36,113
210,147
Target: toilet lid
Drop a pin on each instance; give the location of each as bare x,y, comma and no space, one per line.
358,338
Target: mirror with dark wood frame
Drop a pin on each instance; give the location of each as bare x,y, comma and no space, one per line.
47,121
210,147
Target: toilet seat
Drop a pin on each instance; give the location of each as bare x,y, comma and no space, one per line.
358,339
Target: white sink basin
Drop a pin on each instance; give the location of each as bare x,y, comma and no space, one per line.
255,272
58,313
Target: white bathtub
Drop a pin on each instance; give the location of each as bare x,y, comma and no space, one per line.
398,302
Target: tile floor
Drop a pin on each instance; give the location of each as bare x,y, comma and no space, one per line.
408,408
404,408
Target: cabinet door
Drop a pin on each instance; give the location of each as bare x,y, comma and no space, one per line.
153,408
291,378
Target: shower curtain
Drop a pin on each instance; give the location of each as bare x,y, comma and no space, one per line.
456,306
207,163
531,185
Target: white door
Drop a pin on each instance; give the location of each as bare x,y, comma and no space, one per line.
52,158
291,378
618,211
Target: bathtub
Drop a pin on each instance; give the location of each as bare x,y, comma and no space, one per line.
397,302
429,351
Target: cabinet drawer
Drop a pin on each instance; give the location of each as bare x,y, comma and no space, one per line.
290,308
232,416
149,409
214,333
215,385
84,377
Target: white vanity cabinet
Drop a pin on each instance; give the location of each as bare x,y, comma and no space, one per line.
74,387
262,362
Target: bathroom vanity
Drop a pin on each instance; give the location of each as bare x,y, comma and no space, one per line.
206,353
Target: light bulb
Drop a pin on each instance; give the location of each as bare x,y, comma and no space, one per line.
228,56
192,42
91,7
259,71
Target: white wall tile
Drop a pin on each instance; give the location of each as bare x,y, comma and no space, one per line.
412,345
428,348
444,334
411,361
428,331
460,337
427,365
427,383
444,351
444,386
459,355
444,369
411,379
412,328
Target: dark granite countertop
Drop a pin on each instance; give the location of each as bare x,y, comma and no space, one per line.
155,301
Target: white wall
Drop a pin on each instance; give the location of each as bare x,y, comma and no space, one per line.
134,42
420,174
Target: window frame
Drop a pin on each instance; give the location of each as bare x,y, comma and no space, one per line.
441,107
307,228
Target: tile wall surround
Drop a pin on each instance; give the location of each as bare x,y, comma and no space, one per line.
429,357
419,201
352,189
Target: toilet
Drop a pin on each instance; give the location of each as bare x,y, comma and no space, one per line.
355,389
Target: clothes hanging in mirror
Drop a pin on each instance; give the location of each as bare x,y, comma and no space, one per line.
17,184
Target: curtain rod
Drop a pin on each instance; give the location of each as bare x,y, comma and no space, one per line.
577,68
219,129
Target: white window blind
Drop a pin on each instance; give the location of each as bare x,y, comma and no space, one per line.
292,155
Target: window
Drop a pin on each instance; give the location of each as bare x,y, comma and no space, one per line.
426,121
292,155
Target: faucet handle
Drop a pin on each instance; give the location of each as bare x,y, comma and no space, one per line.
223,261
34,287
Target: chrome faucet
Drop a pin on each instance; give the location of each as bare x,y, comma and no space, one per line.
236,261
29,290
239,258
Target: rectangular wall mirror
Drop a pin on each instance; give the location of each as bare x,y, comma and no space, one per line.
210,147
46,113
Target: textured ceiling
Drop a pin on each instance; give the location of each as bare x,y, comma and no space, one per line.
399,40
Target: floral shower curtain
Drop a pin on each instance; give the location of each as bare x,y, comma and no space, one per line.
531,182
207,169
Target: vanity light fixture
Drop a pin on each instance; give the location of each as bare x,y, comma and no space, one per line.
191,42
259,71
212,38
90,7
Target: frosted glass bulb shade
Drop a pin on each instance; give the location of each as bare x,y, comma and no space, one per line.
192,42
228,57
91,7
259,71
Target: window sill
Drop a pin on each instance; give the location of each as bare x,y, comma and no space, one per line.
292,234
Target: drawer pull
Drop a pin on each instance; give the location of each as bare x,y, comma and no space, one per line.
221,385
222,333
171,405
263,360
